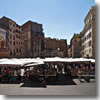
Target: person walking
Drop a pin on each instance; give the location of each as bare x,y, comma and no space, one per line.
19,75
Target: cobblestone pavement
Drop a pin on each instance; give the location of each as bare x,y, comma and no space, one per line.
78,89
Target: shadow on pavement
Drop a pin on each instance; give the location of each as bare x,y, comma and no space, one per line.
9,82
34,84
61,80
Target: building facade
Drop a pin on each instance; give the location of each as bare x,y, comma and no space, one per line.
88,35
28,40
14,36
33,37
75,46
3,43
55,47
69,51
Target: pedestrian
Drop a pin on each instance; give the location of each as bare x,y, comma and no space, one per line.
22,75
15,75
19,75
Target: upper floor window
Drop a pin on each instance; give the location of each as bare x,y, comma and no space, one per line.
10,36
17,50
10,52
90,35
19,37
90,43
16,36
13,25
13,43
93,17
13,37
10,30
20,50
16,25
10,42
75,40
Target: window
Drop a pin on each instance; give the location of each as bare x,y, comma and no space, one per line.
90,35
16,36
16,25
35,49
82,47
75,40
13,43
83,53
84,38
18,31
42,45
17,50
93,17
20,50
10,52
90,43
13,25
10,30
10,36
13,37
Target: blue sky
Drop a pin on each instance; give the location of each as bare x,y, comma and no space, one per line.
60,18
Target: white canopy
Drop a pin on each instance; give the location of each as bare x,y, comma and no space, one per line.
37,61
9,62
57,59
19,62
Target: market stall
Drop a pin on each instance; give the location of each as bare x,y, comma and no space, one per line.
73,65
48,67
15,68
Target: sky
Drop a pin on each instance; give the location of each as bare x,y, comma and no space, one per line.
60,18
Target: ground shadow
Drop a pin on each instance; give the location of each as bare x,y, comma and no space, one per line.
9,82
61,80
35,84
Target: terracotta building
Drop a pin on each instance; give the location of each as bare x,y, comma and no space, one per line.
88,35
28,40
75,46
55,47
14,36
33,37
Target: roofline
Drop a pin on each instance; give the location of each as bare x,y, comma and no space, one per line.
29,21
93,7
